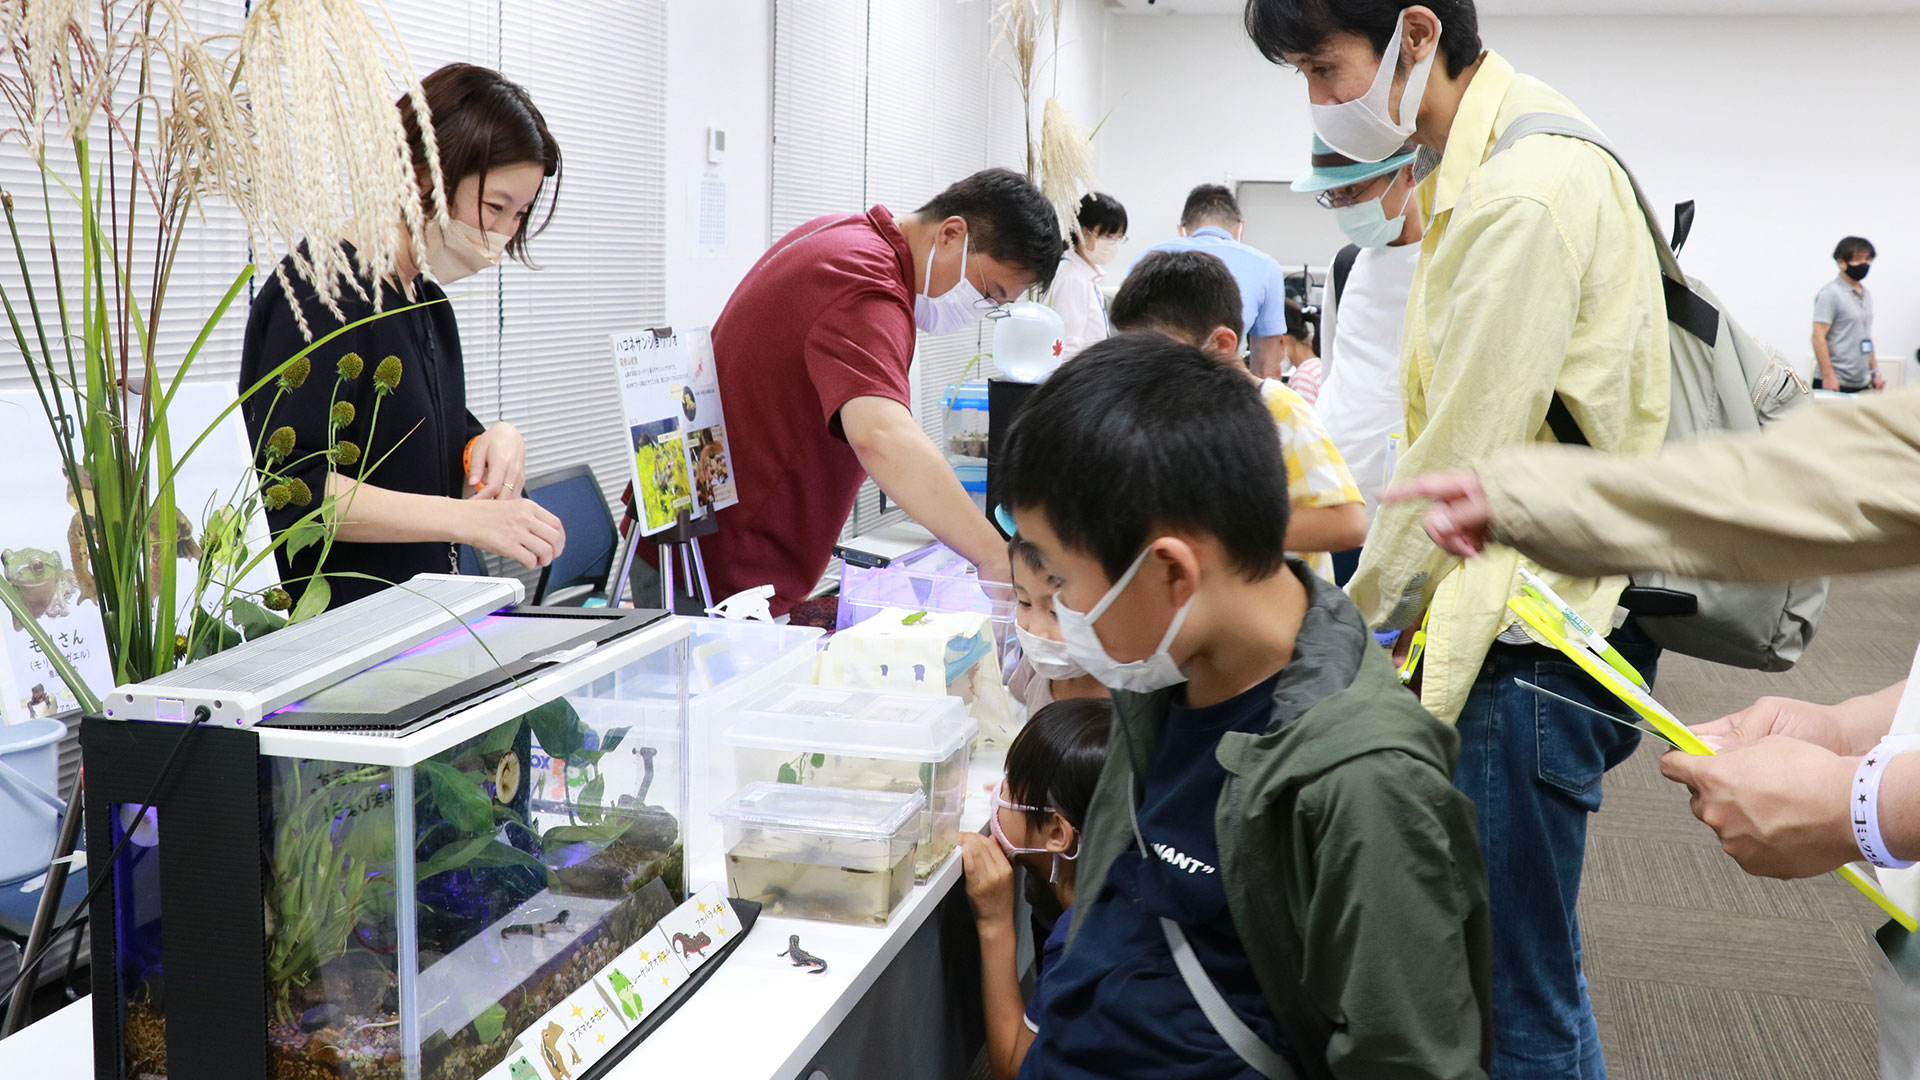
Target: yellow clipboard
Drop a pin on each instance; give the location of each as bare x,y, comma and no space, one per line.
1550,625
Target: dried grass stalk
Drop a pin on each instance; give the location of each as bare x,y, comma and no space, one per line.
330,157
1066,165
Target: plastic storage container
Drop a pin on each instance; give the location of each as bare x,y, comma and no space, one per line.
839,854
730,662
966,422
30,803
935,578
824,736
974,479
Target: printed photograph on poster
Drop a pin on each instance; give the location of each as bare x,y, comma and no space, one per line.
43,541
707,447
660,464
712,468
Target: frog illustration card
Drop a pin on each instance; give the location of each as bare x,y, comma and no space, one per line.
641,979
567,1041
700,927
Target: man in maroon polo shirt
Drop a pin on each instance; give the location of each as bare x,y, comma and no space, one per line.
812,352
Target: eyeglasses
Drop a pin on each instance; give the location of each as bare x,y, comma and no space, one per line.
1353,194
991,308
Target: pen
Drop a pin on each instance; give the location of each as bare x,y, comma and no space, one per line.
1581,628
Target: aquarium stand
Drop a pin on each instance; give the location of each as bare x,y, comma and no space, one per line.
208,823
748,913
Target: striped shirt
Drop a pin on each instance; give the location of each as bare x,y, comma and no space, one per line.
1317,475
1305,379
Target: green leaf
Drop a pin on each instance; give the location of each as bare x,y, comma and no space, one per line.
313,601
819,761
211,635
303,536
459,797
488,1024
612,739
787,775
588,805
558,728
499,739
254,620
479,851
562,835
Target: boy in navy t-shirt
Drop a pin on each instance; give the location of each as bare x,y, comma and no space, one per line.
1274,805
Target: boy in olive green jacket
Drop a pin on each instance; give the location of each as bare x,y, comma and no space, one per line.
1277,876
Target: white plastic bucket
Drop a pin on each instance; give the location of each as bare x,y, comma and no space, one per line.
29,797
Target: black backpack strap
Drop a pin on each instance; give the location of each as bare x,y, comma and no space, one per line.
1682,224
1342,266
1337,284
1565,428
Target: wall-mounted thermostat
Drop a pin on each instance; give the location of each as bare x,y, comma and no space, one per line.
716,145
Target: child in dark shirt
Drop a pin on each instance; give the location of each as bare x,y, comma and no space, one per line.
1038,808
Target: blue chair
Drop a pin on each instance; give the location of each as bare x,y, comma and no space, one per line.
470,564
580,573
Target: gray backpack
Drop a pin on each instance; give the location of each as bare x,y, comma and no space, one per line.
1723,380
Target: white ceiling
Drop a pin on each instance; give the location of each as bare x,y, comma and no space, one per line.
1577,7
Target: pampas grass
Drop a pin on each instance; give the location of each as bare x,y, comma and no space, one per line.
1061,160
1066,165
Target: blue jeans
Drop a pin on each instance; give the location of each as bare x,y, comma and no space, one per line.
1532,767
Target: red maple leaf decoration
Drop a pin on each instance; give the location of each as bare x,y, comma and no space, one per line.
1058,346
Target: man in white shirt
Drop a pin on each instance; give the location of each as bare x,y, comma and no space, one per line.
1360,400
1076,285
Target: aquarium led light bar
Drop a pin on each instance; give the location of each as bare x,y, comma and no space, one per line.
246,683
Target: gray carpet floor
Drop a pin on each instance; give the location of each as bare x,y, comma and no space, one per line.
1698,970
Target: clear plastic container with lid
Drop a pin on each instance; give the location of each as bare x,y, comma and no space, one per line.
840,854
829,737
966,420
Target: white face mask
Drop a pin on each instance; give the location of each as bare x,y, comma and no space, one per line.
1102,251
1156,672
1006,845
1049,658
461,250
1362,129
1367,223
953,310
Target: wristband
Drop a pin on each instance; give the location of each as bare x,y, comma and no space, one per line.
1866,800
466,457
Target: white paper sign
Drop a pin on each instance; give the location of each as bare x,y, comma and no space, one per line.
43,546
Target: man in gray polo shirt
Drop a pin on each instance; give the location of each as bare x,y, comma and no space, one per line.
1843,324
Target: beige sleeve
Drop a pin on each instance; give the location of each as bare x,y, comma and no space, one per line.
1833,488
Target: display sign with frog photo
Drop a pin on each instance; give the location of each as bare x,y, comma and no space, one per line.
43,542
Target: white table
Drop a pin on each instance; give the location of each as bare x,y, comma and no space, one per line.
791,1012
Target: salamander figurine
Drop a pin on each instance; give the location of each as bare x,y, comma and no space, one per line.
692,945
803,958
536,929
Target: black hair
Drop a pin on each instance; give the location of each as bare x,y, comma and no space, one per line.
1207,203
1279,27
481,121
1056,759
1008,219
1187,292
1302,326
1020,548
1852,246
1102,213
1139,435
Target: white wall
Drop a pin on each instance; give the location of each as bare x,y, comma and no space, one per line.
1789,132
718,57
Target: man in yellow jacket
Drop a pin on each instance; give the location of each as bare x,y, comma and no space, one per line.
1538,277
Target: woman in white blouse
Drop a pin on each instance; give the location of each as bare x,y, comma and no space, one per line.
1076,285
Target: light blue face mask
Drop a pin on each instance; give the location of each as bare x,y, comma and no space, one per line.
1367,223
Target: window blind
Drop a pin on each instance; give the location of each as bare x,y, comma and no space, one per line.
213,251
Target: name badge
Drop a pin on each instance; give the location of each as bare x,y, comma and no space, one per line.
1866,346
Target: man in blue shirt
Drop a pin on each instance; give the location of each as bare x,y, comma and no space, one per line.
1211,222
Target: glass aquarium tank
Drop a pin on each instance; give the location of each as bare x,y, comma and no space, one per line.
426,854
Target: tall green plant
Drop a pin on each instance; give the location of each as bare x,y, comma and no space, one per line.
289,125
